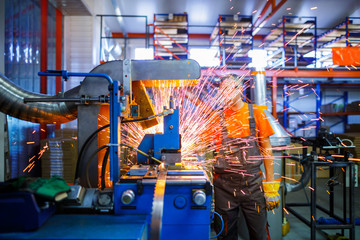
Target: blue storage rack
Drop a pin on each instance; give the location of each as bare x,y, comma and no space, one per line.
291,41
344,34
343,118
233,37
287,102
171,36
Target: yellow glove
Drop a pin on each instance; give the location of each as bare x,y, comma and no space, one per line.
272,196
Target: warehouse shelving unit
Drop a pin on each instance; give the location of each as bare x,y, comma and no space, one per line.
329,110
233,37
322,111
170,36
287,90
346,33
292,42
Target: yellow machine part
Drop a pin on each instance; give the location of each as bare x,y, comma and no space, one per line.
145,108
285,227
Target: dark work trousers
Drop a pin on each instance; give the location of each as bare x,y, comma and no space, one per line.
234,192
238,184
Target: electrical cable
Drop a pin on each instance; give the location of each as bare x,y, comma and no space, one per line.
141,152
222,226
89,161
164,113
138,120
348,140
84,147
103,168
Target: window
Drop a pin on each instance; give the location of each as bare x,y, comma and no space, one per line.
144,53
205,57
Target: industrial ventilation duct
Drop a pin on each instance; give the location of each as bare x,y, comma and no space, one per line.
12,103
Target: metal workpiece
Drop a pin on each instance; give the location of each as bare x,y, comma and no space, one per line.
12,103
75,196
171,158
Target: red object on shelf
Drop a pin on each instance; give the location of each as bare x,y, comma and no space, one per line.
346,56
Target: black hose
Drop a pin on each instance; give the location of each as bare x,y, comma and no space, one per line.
103,168
89,161
140,119
84,147
93,135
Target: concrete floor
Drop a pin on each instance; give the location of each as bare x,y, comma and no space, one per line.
300,231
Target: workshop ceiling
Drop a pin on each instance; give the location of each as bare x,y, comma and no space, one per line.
205,12
71,7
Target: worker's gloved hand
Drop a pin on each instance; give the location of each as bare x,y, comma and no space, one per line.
272,196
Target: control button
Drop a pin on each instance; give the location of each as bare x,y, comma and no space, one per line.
128,197
199,197
180,202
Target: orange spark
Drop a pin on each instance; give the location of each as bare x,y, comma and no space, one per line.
286,211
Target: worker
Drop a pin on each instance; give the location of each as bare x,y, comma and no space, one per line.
242,131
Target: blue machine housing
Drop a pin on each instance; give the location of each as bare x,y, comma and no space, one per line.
182,218
171,139
15,204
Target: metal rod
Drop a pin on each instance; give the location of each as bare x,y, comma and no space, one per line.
313,202
66,74
101,23
334,226
299,216
331,195
344,198
298,204
93,99
351,200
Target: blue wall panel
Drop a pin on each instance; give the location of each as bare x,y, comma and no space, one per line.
22,63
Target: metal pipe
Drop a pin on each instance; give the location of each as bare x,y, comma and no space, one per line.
305,177
260,87
12,103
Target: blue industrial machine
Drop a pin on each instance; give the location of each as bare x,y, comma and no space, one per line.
176,199
158,197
